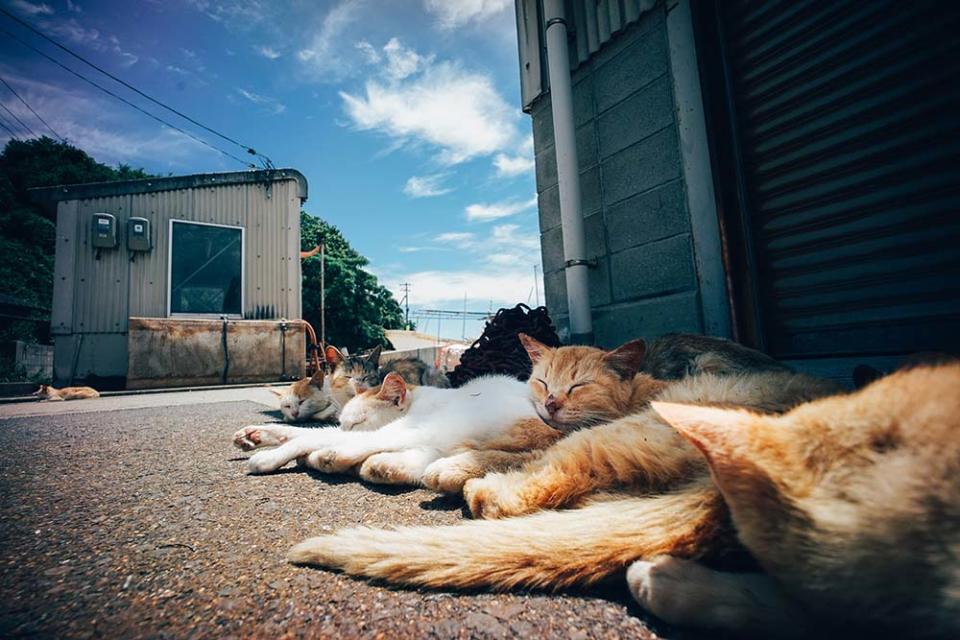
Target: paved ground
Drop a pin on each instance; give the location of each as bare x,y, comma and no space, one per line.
141,523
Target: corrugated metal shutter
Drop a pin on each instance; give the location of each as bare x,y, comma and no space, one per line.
848,115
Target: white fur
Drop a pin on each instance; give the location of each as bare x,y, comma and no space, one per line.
433,423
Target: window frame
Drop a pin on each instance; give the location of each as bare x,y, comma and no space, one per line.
243,271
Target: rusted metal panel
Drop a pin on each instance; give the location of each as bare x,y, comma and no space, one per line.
169,352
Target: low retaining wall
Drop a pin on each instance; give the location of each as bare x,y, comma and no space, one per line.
174,352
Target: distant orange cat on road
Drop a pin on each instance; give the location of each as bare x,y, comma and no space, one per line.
47,392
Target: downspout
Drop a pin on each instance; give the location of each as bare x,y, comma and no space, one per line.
568,176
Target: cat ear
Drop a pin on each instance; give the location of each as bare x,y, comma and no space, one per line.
317,378
535,349
713,430
393,389
276,392
375,355
345,351
333,356
627,359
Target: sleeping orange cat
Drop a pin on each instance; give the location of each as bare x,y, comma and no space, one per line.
48,392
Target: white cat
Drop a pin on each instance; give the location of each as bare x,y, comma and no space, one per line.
423,425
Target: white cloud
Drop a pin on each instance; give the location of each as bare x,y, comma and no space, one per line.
497,210
456,13
401,61
74,7
74,32
32,9
324,53
509,166
459,238
444,105
370,53
272,104
426,186
105,130
506,255
267,52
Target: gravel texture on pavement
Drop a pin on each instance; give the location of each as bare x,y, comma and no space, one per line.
143,523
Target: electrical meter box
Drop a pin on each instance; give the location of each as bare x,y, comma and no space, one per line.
104,231
139,237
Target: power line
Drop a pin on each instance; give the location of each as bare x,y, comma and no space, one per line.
8,129
7,85
127,102
246,148
14,116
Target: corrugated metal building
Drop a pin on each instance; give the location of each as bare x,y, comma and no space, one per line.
212,252
782,173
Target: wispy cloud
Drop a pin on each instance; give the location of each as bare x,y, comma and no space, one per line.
32,9
267,52
426,186
509,166
496,210
324,54
74,7
76,33
450,14
440,104
106,131
273,105
462,239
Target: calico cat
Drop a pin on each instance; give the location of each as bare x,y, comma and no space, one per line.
851,505
393,433
639,488
360,372
47,392
415,371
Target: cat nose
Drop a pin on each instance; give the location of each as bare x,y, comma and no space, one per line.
551,404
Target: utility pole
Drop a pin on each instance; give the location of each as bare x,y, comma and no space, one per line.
406,301
323,295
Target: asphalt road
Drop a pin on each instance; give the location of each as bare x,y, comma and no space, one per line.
142,523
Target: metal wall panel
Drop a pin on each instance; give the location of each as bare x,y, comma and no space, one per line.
590,23
99,295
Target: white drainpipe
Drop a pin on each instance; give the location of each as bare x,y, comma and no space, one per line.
568,175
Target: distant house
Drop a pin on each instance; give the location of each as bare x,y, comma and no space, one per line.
782,173
184,280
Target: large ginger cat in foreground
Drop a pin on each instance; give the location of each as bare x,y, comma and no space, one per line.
851,505
609,472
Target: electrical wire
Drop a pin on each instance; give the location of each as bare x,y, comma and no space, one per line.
127,102
7,129
14,116
246,148
27,105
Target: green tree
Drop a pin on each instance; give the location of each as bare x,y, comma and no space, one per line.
359,308
27,233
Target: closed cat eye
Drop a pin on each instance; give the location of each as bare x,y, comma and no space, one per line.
545,387
579,384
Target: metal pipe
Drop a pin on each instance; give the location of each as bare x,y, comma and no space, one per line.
568,176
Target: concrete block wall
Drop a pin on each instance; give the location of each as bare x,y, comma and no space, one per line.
634,199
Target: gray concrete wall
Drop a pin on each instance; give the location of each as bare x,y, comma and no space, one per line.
634,197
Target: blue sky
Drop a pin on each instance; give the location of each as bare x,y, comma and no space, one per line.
404,115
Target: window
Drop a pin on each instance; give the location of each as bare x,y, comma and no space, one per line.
206,269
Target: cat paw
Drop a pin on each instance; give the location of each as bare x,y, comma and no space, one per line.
658,585
265,462
257,435
445,477
381,471
331,460
491,497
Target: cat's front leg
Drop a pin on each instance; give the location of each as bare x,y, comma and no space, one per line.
685,593
639,452
397,467
448,475
273,459
338,459
266,435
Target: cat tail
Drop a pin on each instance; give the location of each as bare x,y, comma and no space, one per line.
549,549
